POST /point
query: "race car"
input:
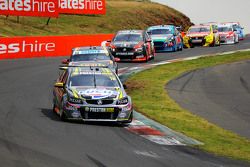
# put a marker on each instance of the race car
(91, 94)
(92, 56)
(227, 34)
(215, 30)
(132, 45)
(166, 38)
(201, 35)
(237, 27)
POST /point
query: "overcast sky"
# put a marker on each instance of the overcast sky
(200, 11)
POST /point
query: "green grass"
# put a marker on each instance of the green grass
(147, 90)
(120, 14)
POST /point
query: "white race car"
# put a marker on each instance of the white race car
(228, 35)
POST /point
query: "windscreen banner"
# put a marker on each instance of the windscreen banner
(47, 46)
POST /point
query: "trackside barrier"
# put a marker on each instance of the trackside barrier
(46, 46)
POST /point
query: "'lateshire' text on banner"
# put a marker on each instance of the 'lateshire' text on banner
(51, 8)
(82, 6)
(36, 8)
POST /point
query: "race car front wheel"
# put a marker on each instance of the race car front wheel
(63, 117)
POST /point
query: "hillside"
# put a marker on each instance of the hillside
(120, 14)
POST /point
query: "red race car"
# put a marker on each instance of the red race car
(132, 45)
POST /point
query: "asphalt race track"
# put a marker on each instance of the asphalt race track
(220, 94)
(32, 136)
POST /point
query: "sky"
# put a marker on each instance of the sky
(200, 11)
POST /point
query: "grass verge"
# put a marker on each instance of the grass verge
(121, 14)
(147, 90)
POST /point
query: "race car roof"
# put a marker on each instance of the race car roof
(89, 50)
(130, 32)
(162, 27)
(200, 26)
(225, 25)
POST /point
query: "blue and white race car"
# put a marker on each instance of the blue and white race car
(166, 38)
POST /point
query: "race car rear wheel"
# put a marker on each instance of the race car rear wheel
(213, 43)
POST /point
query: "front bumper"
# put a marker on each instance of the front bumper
(129, 55)
(226, 40)
(164, 46)
(107, 113)
(198, 41)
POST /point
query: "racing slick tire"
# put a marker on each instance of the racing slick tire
(181, 47)
(218, 44)
(129, 120)
(63, 117)
(54, 108)
(237, 39)
(213, 44)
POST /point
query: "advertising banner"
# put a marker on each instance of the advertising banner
(51, 8)
(36, 8)
(82, 6)
(46, 46)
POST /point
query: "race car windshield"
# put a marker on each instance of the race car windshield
(224, 29)
(90, 57)
(160, 31)
(199, 29)
(94, 80)
(128, 37)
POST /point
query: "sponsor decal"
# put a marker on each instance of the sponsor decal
(97, 93)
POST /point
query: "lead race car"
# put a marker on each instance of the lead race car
(91, 94)
(132, 45)
(166, 38)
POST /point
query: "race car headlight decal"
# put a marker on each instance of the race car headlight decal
(74, 100)
(70, 107)
(122, 101)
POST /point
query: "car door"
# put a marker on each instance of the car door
(59, 92)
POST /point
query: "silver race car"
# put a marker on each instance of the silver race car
(91, 94)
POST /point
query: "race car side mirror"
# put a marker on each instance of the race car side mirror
(59, 85)
(109, 41)
(65, 61)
